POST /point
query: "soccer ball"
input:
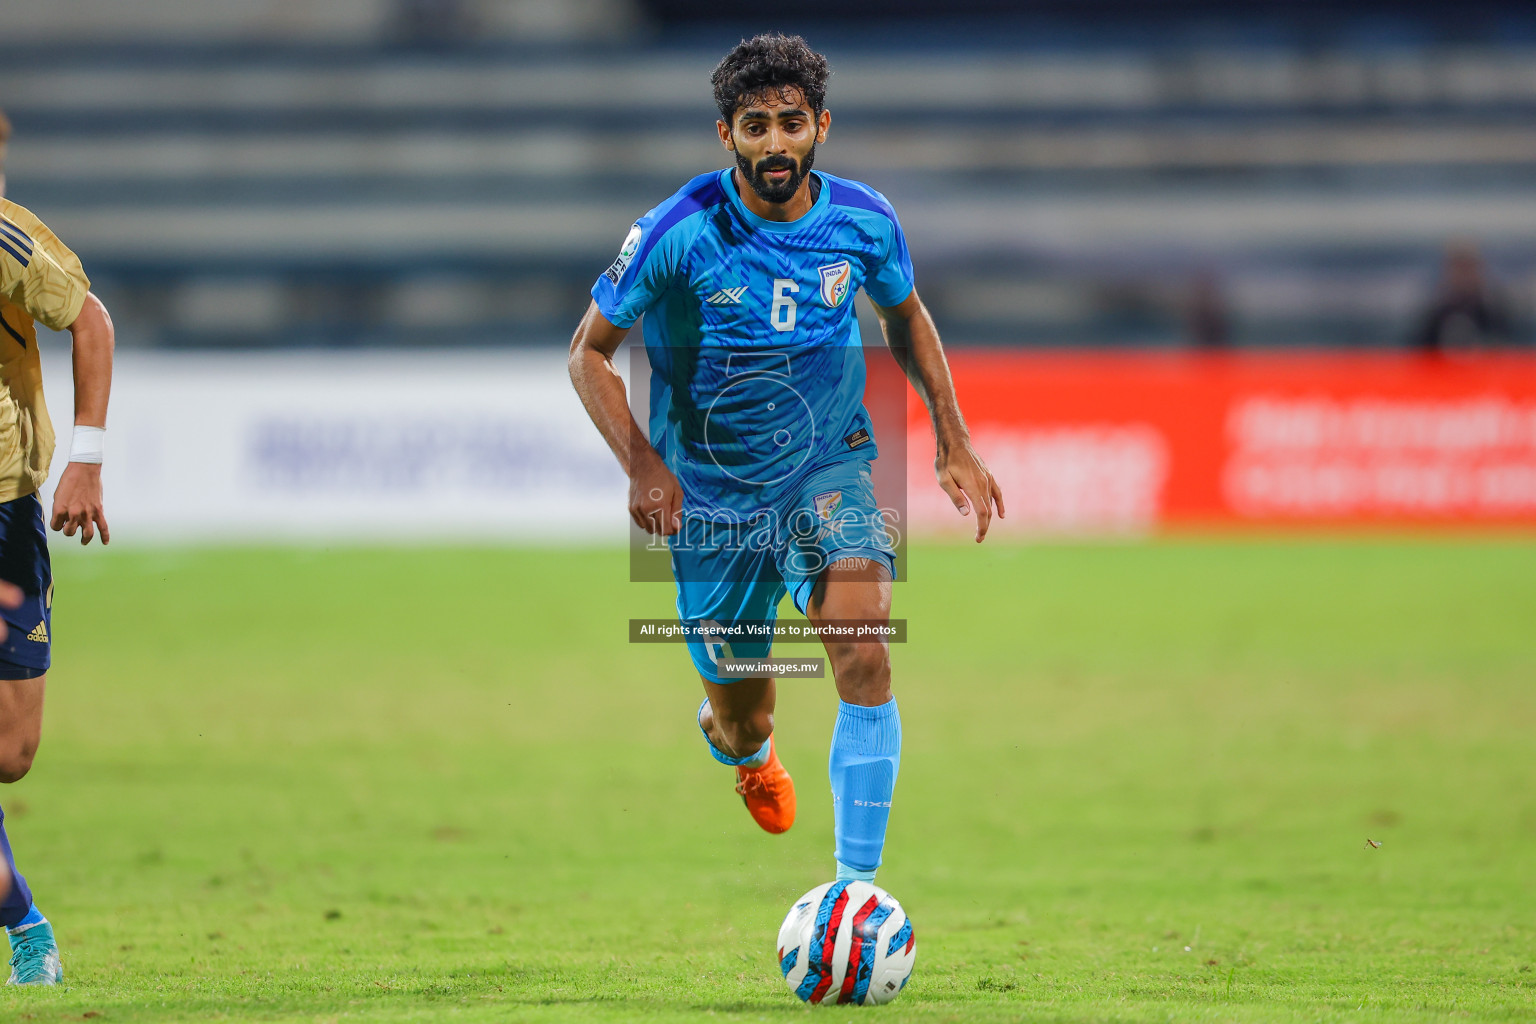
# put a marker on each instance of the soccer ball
(847, 942)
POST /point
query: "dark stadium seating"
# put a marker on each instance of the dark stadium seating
(1243, 193)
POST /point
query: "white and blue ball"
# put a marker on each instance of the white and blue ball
(847, 942)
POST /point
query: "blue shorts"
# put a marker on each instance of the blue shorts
(25, 651)
(729, 572)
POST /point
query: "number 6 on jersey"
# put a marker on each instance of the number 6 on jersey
(782, 313)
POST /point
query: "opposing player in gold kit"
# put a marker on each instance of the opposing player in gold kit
(41, 281)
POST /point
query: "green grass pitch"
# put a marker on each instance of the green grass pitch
(1138, 785)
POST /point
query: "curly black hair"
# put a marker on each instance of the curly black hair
(769, 64)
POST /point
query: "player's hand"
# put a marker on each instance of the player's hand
(656, 499)
(969, 485)
(77, 503)
(11, 596)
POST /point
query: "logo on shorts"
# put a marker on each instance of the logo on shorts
(626, 253)
(835, 278)
(827, 504)
(39, 633)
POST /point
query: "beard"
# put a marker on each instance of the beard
(766, 190)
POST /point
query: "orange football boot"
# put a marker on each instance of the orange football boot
(768, 792)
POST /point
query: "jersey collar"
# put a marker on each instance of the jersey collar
(728, 184)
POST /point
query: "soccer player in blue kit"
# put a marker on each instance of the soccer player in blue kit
(756, 466)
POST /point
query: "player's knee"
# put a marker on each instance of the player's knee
(15, 761)
(746, 733)
(863, 673)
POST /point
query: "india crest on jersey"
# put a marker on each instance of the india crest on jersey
(835, 278)
(827, 503)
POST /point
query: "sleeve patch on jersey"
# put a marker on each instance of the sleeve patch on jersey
(626, 254)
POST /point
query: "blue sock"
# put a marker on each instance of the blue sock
(16, 905)
(866, 755)
(848, 874)
(34, 916)
(756, 760)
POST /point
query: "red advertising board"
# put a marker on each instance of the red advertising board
(1130, 442)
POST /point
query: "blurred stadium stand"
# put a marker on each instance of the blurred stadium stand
(437, 172)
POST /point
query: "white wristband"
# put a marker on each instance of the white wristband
(88, 444)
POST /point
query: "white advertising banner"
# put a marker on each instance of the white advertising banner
(451, 447)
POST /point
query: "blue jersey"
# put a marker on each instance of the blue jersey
(757, 369)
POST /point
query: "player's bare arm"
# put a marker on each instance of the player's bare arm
(655, 496)
(914, 341)
(77, 502)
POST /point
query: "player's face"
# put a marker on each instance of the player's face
(774, 138)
